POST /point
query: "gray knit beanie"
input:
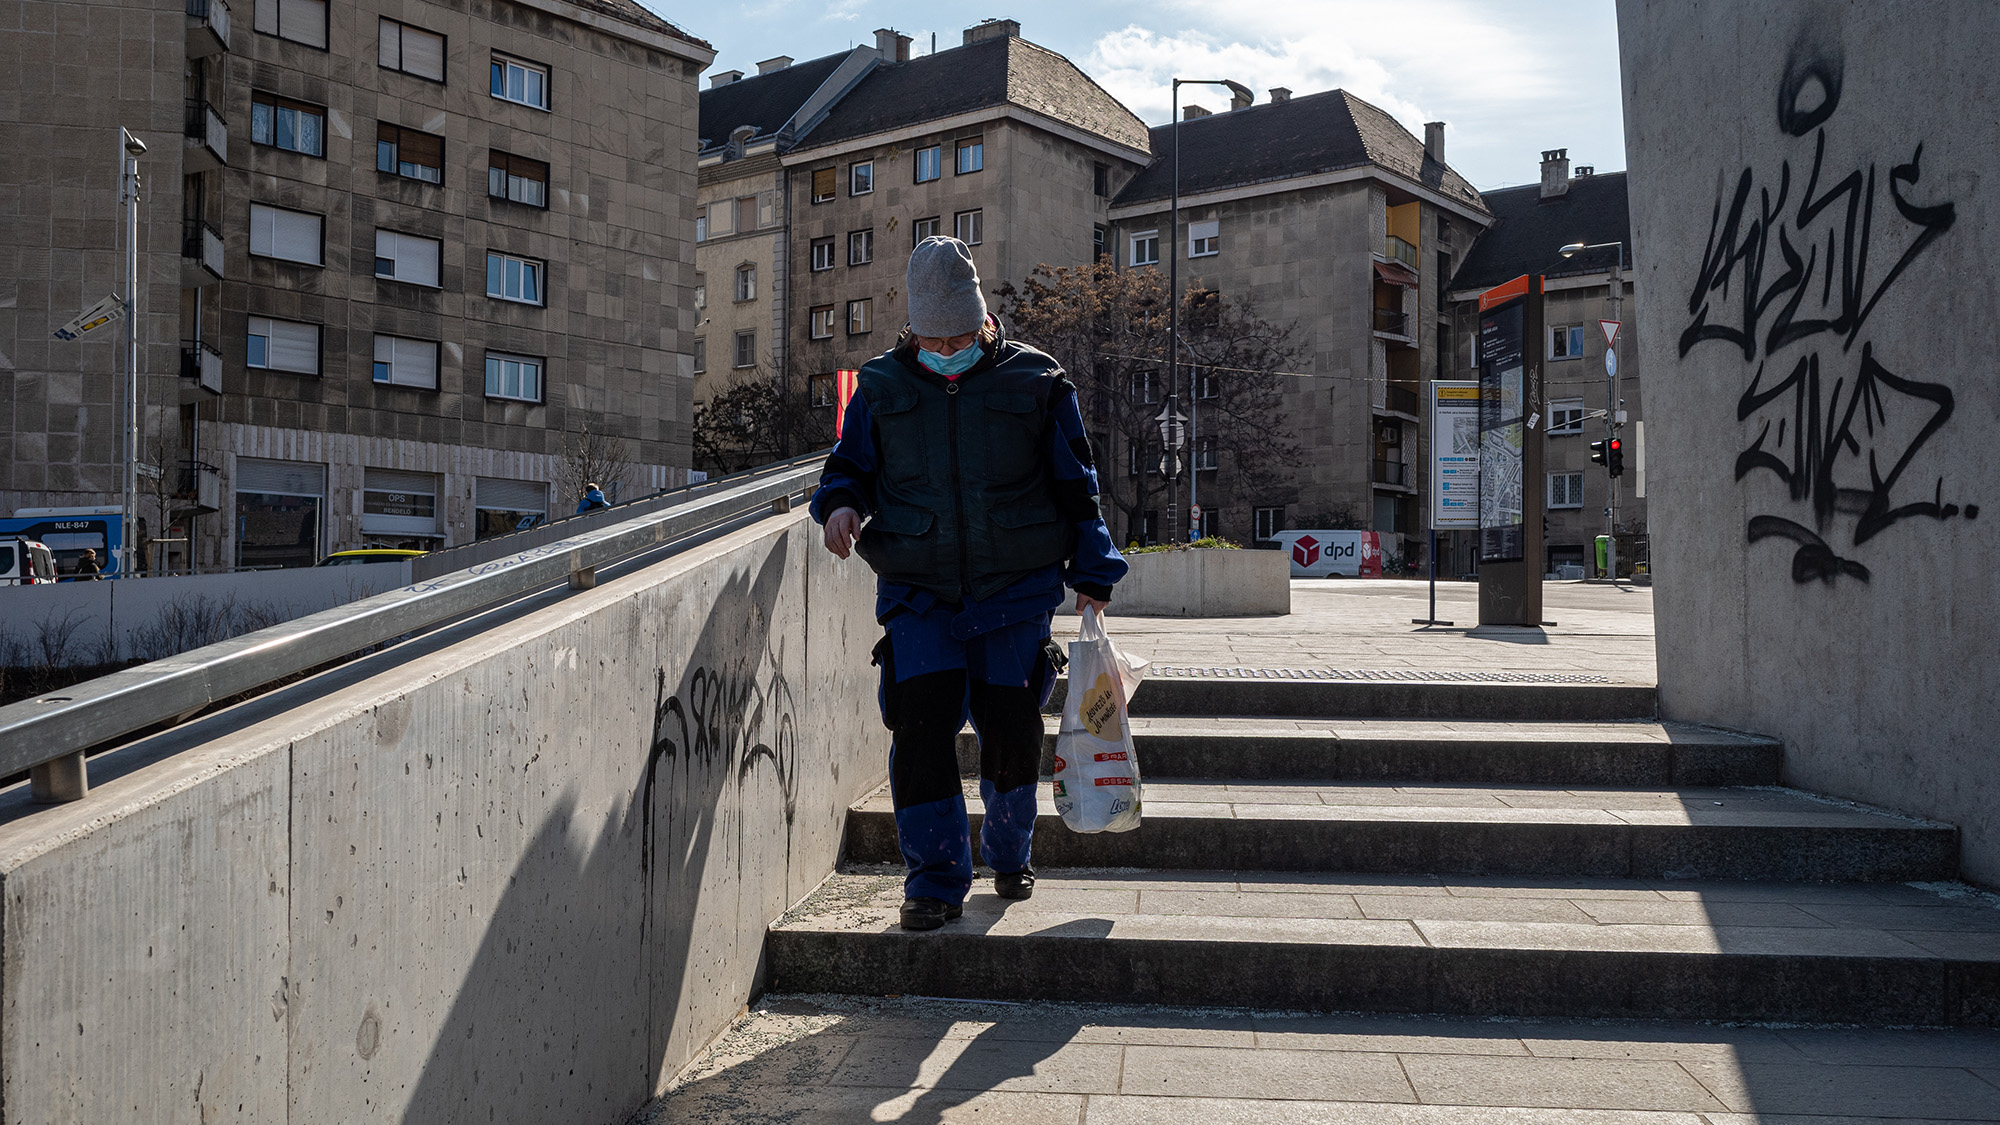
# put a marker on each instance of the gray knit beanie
(944, 289)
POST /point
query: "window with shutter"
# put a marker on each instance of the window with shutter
(411, 50)
(301, 21)
(1204, 239)
(291, 235)
(409, 153)
(283, 345)
(746, 213)
(823, 184)
(407, 257)
(518, 179)
(405, 362)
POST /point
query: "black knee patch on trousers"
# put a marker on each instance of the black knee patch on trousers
(1010, 734)
(926, 713)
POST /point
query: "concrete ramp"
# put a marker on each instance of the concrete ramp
(520, 873)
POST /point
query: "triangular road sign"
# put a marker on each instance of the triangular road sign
(1610, 331)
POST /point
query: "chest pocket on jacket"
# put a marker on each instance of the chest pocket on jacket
(904, 452)
(1014, 430)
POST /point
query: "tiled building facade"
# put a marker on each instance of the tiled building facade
(397, 258)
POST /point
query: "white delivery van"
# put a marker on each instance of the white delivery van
(1321, 554)
(24, 562)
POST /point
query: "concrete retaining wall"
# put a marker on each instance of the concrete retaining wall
(1203, 583)
(113, 611)
(523, 878)
(1823, 483)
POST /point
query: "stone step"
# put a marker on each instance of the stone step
(1718, 833)
(1301, 693)
(1596, 948)
(1636, 752)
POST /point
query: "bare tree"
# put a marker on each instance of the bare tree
(591, 456)
(759, 421)
(1108, 328)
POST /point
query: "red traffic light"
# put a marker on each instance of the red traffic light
(1617, 444)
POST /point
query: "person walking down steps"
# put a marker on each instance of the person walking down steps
(965, 454)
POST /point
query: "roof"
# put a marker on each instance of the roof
(639, 15)
(1003, 70)
(1284, 140)
(763, 101)
(1528, 232)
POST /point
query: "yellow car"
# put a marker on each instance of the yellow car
(369, 555)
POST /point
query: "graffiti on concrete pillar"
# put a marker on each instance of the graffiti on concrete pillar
(1799, 268)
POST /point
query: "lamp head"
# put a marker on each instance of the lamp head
(134, 146)
(1571, 249)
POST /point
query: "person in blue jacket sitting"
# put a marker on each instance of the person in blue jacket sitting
(964, 453)
(593, 497)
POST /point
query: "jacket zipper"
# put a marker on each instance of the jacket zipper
(957, 488)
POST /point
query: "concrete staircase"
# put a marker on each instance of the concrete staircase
(1456, 848)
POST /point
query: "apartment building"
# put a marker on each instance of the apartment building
(999, 142)
(1327, 215)
(1531, 224)
(397, 258)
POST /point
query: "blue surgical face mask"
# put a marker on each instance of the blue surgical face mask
(957, 363)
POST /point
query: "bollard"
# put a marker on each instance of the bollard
(781, 505)
(59, 780)
(583, 579)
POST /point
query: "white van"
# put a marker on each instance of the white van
(24, 562)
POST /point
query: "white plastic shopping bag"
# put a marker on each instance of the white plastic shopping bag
(1097, 771)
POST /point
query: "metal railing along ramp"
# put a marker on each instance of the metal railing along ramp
(50, 734)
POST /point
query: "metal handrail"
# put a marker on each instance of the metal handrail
(49, 733)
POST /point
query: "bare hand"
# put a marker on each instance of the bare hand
(1082, 600)
(841, 528)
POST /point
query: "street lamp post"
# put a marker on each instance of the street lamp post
(1611, 401)
(131, 149)
(1241, 92)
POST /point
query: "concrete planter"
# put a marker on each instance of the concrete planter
(1205, 582)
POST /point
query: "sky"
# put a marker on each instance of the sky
(1508, 79)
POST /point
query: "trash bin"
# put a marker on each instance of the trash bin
(1604, 556)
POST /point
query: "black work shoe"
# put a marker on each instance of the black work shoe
(1019, 885)
(929, 913)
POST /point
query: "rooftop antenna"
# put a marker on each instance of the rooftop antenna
(933, 42)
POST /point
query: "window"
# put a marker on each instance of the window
(406, 363)
(293, 236)
(500, 506)
(1100, 241)
(822, 389)
(1268, 522)
(523, 181)
(746, 213)
(860, 316)
(930, 163)
(1566, 490)
(301, 21)
(700, 354)
(1204, 239)
(411, 50)
(700, 291)
(926, 228)
(1145, 386)
(822, 254)
(971, 155)
(861, 178)
(283, 123)
(823, 179)
(1146, 248)
(514, 279)
(700, 224)
(822, 322)
(1100, 180)
(1566, 341)
(860, 247)
(970, 227)
(513, 376)
(1566, 416)
(1204, 454)
(516, 81)
(407, 257)
(746, 349)
(721, 218)
(283, 345)
(409, 154)
(1206, 385)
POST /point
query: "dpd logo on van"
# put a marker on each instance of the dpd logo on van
(1305, 550)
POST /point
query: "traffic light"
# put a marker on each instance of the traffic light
(1615, 457)
(1597, 454)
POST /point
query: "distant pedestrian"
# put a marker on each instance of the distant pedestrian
(593, 497)
(87, 569)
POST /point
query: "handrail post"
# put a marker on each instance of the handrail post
(59, 780)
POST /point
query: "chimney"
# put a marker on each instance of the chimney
(1434, 140)
(1555, 173)
(769, 65)
(991, 29)
(892, 46)
(1190, 112)
(1583, 170)
(1280, 94)
(724, 79)
(1239, 101)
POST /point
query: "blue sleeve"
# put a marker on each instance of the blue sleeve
(1096, 566)
(848, 481)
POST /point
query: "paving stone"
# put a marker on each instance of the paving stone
(1253, 904)
(1128, 1110)
(1557, 1083)
(1857, 1091)
(1265, 1072)
(1472, 909)
(1974, 1049)
(985, 1063)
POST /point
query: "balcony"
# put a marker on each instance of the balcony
(1402, 399)
(1399, 251)
(199, 488)
(203, 364)
(207, 138)
(201, 254)
(1392, 322)
(207, 28)
(1391, 472)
